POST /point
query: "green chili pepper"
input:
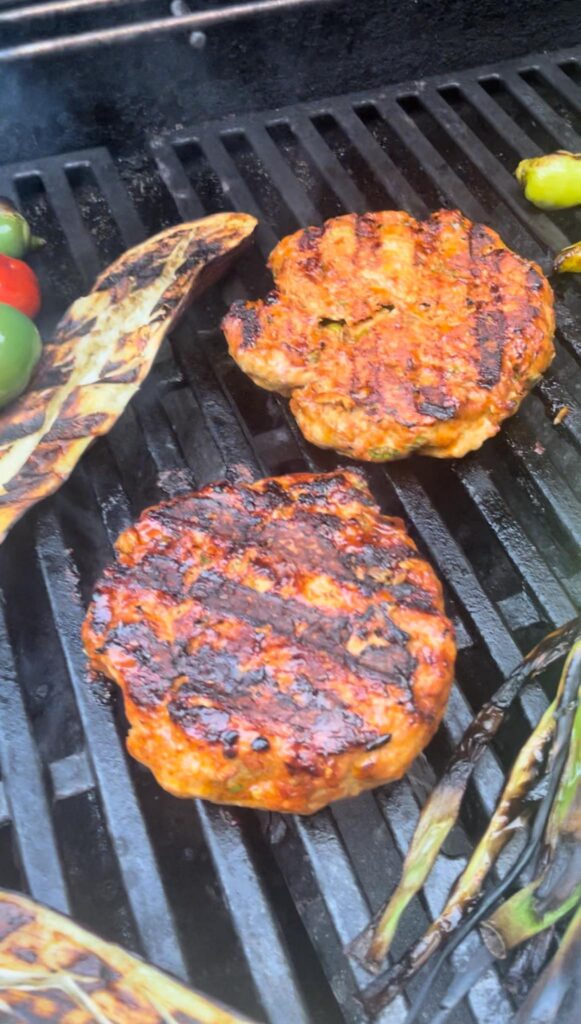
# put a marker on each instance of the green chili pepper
(20, 349)
(553, 181)
(15, 235)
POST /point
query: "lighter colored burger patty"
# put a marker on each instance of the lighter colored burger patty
(393, 335)
(278, 644)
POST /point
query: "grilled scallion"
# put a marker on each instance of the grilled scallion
(441, 811)
(557, 888)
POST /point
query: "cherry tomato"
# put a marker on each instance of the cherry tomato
(19, 286)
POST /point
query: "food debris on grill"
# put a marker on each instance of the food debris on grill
(102, 351)
(562, 413)
(393, 335)
(53, 970)
(279, 644)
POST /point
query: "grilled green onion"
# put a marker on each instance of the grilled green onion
(441, 811)
(461, 913)
(562, 973)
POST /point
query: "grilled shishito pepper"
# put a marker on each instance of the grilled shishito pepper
(568, 261)
(20, 348)
(553, 181)
(15, 235)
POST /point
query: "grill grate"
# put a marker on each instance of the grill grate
(231, 899)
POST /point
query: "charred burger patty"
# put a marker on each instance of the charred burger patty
(279, 644)
(393, 335)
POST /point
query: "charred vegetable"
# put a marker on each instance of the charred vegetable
(101, 352)
(568, 261)
(68, 974)
(553, 181)
(556, 889)
(441, 812)
(16, 238)
(563, 972)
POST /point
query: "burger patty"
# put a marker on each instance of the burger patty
(279, 644)
(393, 335)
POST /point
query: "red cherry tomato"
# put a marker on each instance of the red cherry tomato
(19, 286)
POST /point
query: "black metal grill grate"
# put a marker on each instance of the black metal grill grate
(256, 908)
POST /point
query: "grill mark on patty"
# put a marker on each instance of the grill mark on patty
(309, 542)
(249, 321)
(431, 407)
(310, 238)
(318, 719)
(534, 279)
(232, 598)
(366, 229)
(218, 598)
(490, 325)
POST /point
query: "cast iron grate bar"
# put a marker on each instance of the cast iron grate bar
(257, 927)
(124, 819)
(492, 785)
(197, 418)
(28, 803)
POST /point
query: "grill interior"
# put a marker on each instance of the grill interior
(255, 909)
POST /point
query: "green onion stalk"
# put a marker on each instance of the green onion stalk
(442, 809)
(561, 974)
(556, 890)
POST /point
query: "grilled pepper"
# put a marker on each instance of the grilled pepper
(19, 286)
(20, 348)
(553, 181)
(568, 261)
(15, 235)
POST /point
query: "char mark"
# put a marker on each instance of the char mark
(144, 269)
(490, 334)
(248, 318)
(392, 666)
(74, 329)
(534, 280)
(366, 227)
(315, 719)
(378, 742)
(434, 403)
(13, 429)
(490, 323)
(309, 240)
(12, 918)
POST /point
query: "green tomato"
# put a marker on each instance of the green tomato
(20, 348)
(15, 236)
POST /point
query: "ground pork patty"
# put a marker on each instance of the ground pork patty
(279, 644)
(394, 335)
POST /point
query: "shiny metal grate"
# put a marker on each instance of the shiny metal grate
(256, 908)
